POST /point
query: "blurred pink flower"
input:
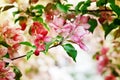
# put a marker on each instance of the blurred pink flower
(3, 51)
(110, 77)
(5, 73)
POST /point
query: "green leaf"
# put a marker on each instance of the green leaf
(78, 6)
(47, 46)
(93, 23)
(108, 28)
(115, 8)
(101, 3)
(46, 26)
(16, 12)
(7, 55)
(20, 18)
(4, 44)
(38, 19)
(70, 51)
(27, 44)
(17, 72)
(116, 21)
(6, 7)
(85, 6)
(63, 8)
(111, 1)
(29, 54)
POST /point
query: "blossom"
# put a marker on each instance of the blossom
(5, 73)
(41, 37)
(3, 51)
(37, 28)
(110, 77)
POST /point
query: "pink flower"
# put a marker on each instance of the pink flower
(3, 51)
(40, 33)
(103, 60)
(5, 73)
(104, 50)
(37, 28)
(110, 77)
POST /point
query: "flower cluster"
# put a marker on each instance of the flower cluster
(56, 24)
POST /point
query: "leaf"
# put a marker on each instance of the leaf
(70, 51)
(115, 8)
(101, 2)
(17, 72)
(108, 28)
(7, 7)
(27, 44)
(63, 8)
(111, 1)
(7, 56)
(85, 6)
(93, 23)
(116, 21)
(16, 12)
(4, 44)
(47, 46)
(20, 18)
(38, 19)
(46, 26)
(77, 7)
(29, 54)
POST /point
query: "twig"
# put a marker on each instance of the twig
(26, 55)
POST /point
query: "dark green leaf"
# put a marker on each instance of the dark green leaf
(4, 44)
(93, 24)
(7, 7)
(115, 8)
(16, 12)
(77, 8)
(27, 44)
(7, 55)
(101, 3)
(29, 54)
(20, 18)
(117, 21)
(108, 28)
(70, 51)
(111, 1)
(17, 72)
(85, 6)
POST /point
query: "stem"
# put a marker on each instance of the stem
(26, 55)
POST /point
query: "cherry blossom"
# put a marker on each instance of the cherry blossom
(5, 73)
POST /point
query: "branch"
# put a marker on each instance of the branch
(26, 55)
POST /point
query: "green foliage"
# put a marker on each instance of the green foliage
(16, 12)
(36, 10)
(108, 28)
(27, 44)
(4, 44)
(93, 23)
(7, 55)
(71, 51)
(78, 6)
(115, 8)
(7, 7)
(17, 72)
(63, 7)
(117, 21)
(20, 18)
(29, 54)
(101, 2)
